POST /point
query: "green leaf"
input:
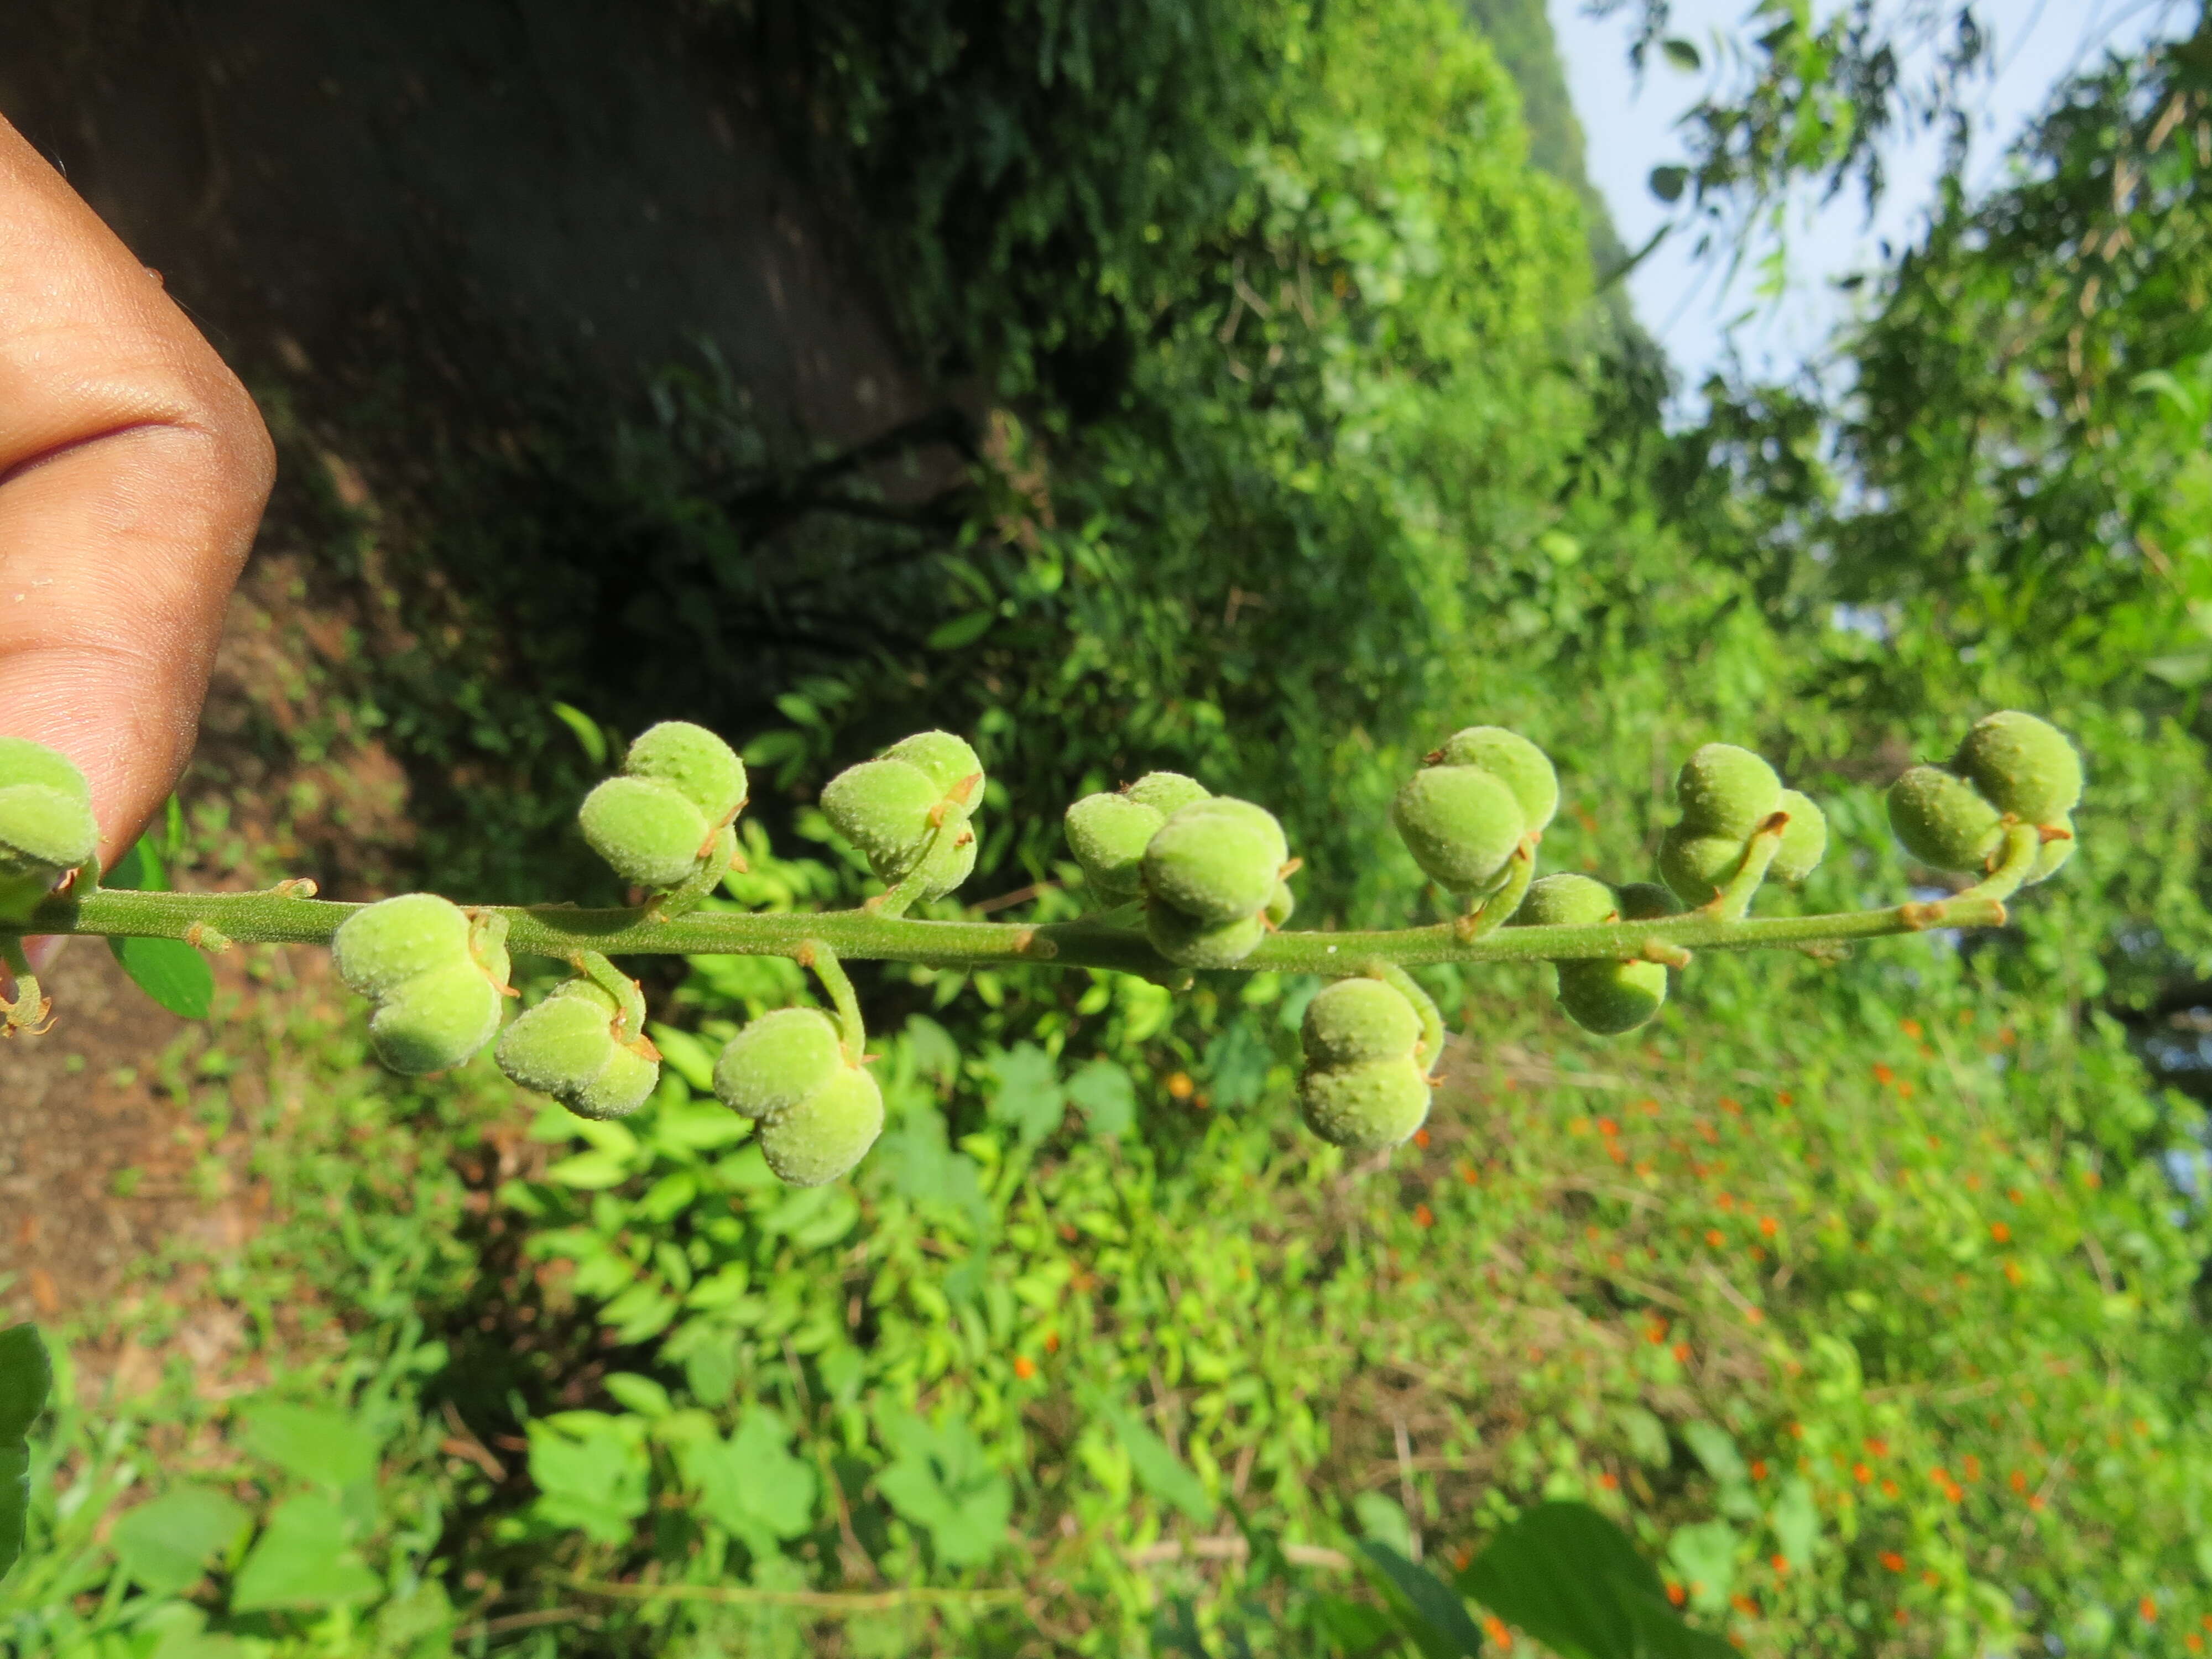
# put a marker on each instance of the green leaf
(303, 1558)
(1717, 1452)
(590, 1471)
(1029, 1097)
(1668, 183)
(27, 1378)
(961, 630)
(1107, 1096)
(589, 737)
(941, 1482)
(1429, 1610)
(168, 970)
(138, 871)
(1797, 1521)
(1705, 1556)
(751, 1484)
(1158, 1470)
(312, 1442)
(690, 1058)
(1681, 54)
(1570, 1578)
(164, 1545)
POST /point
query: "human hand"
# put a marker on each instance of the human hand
(133, 470)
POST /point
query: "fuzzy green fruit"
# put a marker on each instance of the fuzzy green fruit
(44, 831)
(777, 1061)
(1109, 834)
(1943, 821)
(2054, 854)
(2021, 765)
(22, 760)
(1167, 792)
(1367, 1107)
(1697, 866)
(828, 1132)
(1804, 840)
(646, 829)
(1191, 943)
(695, 762)
(1281, 905)
(435, 1020)
(945, 760)
(950, 862)
(1647, 900)
(883, 807)
(1461, 824)
(566, 1048)
(379, 948)
(1726, 791)
(1352, 1021)
(1566, 900)
(1215, 861)
(1513, 760)
(1609, 997)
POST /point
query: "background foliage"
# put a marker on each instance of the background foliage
(1864, 1294)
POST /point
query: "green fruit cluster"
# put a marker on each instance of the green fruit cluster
(585, 1046)
(816, 1108)
(1468, 811)
(46, 826)
(1212, 876)
(893, 807)
(438, 979)
(1725, 794)
(668, 816)
(2011, 769)
(1608, 998)
(1365, 1085)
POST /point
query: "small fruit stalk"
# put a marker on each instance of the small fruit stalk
(911, 811)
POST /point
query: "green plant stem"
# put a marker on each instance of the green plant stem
(1494, 912)
(814, 954)
(562, 931)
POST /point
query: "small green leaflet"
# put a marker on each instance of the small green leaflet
(27, 1376)
(590, 737)
(168, 970)
(961, 630)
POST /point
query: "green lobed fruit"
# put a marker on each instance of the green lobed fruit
(1697, 866)
(22, 760)
(1367, 1107)
(1609, 997)
(2053, 856)
(1566, 900)
(1461, 824)
(2021, 765)
(1215, 861)
(695, 762)
(647, 829)
(44, 831)
(945, 760)
(1804, 840)
(383, 946)
(950, 863)
(1647, 900)
(1352, 1021)
(1943, 821)
(435, 1020)
(778, 1061)
(1109, 834)
(1167, 792)
(1514, 761)
(566, 1048)
(1191, 943)
(828, 1132)
(488, 946)
(1725, 791)
(883, 807)
(1281, 905)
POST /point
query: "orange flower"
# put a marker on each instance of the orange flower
(1467, 1174)
(1024, 1367)
(1606, 1126)
(1730, 1106)
(1862, 1474)
(1973, 1467)
(2148, 1608)
(1682, 1351)
(1745, 1604)
(2016, 1480)
(1910, 1027)
(2012, 1272)
(1420, 1137)
(1769, 1225)
(1713, 1237)
(1758, 1468)
(2036, 1503)
(1904, 1092)
(1424, 1216)
(2193, 1642)
(1675, 1593)
(1782, 1097)
(1494, 1628)
(1052, 1341)
(1877, 1447)
(1893, 1560)
(1883, 1073)
(2000, 1232)
(1609, 1481)
(1180, 1087)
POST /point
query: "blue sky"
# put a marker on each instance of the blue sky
(2038, 43)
